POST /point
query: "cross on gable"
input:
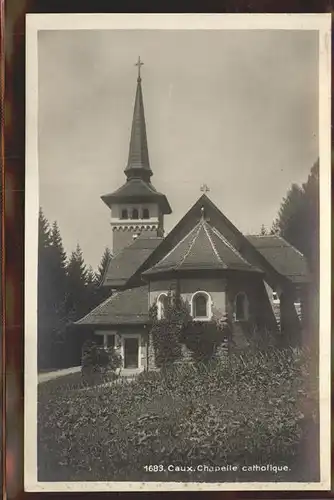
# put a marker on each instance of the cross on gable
(204, 188)
(139, 63)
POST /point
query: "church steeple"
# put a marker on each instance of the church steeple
(138, 166)
(137, 207)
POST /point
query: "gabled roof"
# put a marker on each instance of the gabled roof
(203, 248)
(127, 307)
(137, 191)
(222, 225)
(285, 258)
(122, 267)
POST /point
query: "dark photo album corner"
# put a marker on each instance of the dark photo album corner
(178, 276)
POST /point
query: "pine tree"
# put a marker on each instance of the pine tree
(312, 215)
(298, 218)
(44, 231)
(57, 244)
(101, 291)
(102, 269)
(91, 278)
(291, 217)
(81, 286)
(44, 297)
(58, 264)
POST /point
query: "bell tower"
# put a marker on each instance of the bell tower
(137, 207)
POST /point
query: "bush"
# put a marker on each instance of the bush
(177, 330)
(99, 363)
(204, 338)
(256, 408)
(167, 332)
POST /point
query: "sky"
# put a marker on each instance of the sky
(237, 110)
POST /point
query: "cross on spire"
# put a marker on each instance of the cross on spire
(204, 188)
(139, 63)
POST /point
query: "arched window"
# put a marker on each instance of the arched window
(146, 213)
(162, 304)
(124, 214)
(241, 307)
(135, 214)
(201, 306)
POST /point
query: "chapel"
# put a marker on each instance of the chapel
(257, 281)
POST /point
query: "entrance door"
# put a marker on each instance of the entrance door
(131, 348)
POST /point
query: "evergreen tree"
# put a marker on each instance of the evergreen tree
(101, 291)
(52, 282)
(76, 302)
(44, 232)
(298, 218)
(58, 268)
(312, 216)
(91, 278)
(44, 292)
(57, 264)
(103, 266)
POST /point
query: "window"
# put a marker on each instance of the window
(146, 213)
(201, 306)
(135, 214)
(110, 341)
(124, 214)
(162, 304)
(241, 307)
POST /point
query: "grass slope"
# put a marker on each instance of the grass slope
(257, 409)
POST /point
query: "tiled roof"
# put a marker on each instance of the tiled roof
(137, 190)
(202, 248)
(123, 266)
(127, 307)
(285, 258)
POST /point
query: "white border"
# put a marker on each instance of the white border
(35, 22)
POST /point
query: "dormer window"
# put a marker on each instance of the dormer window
(124, 214)
(201, 306)
(135, 214)
(241, 307)
(146, 213)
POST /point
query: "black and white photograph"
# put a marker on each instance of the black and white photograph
(177, 268)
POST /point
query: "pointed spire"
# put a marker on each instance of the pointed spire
(138, 163)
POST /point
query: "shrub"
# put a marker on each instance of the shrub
(99, 363)
(204, 338)
(167, 332)
(177, 328)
